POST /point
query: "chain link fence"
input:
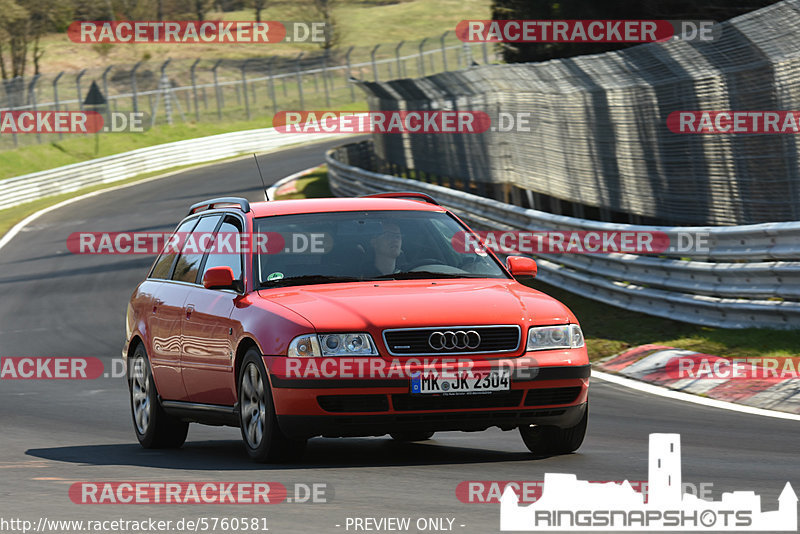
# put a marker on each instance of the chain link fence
(227, 90)
(598, 145)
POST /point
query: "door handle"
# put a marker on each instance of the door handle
(189, 310)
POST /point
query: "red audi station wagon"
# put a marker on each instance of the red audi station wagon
(353, 317)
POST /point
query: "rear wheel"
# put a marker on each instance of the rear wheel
(554, 440)
(262, 437)
(411, 436)
(155, 429)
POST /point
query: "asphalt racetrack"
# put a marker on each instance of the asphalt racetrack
(57, 432)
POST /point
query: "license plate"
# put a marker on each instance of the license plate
(465, 382)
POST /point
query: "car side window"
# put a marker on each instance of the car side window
(201, 238)
(230, 230)
(163, 265)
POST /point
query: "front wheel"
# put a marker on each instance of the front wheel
(552, 440)
(263, 439)
(155, 429)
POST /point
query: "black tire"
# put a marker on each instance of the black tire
(411, 436)
(154, 428)
(552, 440)
(261, 435)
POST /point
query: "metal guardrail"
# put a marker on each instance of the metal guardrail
(596, 139)
(28, 187)
(755, 290)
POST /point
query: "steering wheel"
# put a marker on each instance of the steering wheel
(423, 261)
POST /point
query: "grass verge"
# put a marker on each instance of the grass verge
(35, 158)
(610, 330)
(312, 185)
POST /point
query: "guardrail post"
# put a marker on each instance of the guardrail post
(105, 91)
(444, 51)
(244, 88)
(78, 87)
(194, 90)
(217, 89)
(422, 57)
(397, 59)
(348, 74)
(133, 88)
(374, 65)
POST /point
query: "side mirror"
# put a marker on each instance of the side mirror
(521, 267)
(219, 278)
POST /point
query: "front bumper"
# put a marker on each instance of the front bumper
(369, 407)
(307, 426)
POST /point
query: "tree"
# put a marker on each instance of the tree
(14, 35)
(322, 11)
(258, 6)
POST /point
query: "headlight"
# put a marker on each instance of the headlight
(568, 336)
(313, 345)
(305, 346)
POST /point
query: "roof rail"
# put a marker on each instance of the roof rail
(212, 203)
(412, 195)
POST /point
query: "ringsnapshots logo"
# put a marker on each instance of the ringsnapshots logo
(567, 503)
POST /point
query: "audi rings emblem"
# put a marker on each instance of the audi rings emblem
(454, 339)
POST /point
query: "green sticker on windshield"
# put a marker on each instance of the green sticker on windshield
(274, 276)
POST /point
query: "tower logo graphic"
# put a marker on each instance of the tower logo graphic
(578, 505)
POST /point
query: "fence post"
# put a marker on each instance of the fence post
(105, 90)
(299, 81)
(422, 57)
(244, 88)
(349, 74)
(444, 51)
(32, 98)
(272, 85)
(325, 78)
(397, 58)
(374, 65)
(216, 88)
(55, 96)
(133, 88)
(194, 90)
(78, 86)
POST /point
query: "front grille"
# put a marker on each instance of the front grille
(548, 396)
(414, 342)
(408, 403)
(354, 403)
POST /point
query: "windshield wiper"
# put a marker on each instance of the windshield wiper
(311, 279)
(412, 275)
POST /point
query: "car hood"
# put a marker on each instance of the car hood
(374, 306)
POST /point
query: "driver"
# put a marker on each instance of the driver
(387, 247)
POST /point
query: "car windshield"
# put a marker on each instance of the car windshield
(317, 248)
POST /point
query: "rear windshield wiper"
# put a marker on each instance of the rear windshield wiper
(311, 279)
